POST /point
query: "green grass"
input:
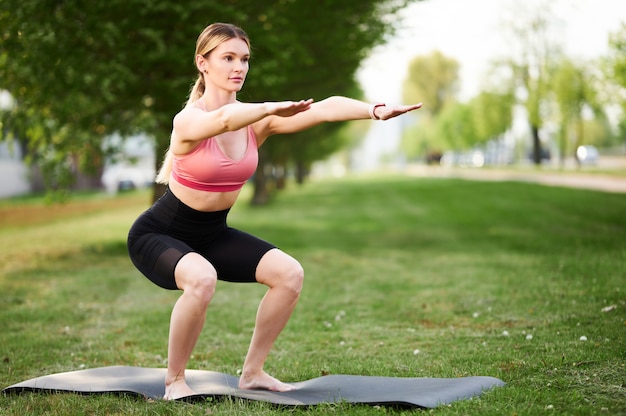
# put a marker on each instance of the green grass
(496, 279)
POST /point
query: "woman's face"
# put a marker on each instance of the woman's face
(227, 65)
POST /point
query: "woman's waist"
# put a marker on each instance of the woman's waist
(203, 201)
(173, 216)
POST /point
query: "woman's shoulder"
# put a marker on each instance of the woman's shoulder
(191, 107)
(186, 113)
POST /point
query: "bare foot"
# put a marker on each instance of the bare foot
(177, 389)
(263, 381)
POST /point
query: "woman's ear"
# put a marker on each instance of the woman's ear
(201, 64)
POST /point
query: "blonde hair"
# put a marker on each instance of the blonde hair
(211, 37)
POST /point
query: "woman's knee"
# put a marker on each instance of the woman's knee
(279, 269)
(293, 276)
(196, 276)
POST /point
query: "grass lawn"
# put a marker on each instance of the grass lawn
(405, 277)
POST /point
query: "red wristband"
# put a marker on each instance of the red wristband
(373, 108)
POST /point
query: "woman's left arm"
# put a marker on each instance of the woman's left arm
(331, 109)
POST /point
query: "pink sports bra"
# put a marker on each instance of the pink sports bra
(207, 168)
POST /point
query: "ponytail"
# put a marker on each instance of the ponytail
(196, 91)
(163, 177)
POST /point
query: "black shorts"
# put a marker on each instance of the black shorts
(169, 229)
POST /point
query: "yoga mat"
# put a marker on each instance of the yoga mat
(371, 390)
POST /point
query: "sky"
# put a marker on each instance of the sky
(471, 32)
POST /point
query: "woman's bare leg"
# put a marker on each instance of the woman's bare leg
(284, 277)
(197, 278)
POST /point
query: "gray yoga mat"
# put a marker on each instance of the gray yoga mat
(148, 382)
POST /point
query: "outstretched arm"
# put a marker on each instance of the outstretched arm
(192, 125)
(330, 110)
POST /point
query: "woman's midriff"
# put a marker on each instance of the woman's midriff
(203, 200)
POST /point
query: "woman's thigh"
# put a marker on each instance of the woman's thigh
(194, 271)
(277, 267)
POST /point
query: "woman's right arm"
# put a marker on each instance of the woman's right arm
(192, 125)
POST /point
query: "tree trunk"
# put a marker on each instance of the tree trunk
(563, 139)
(280, 177)
(300, 172)
(536, 144)
(261, 195)
(161, 148)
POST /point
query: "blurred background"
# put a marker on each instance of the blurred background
(87, 94)
(555, 66)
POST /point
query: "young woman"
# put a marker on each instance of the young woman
(183, 242)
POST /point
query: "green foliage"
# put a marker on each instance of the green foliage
(433, 79)
(461, 126)
(449, 124)
(570, 88)
(126, 65)
(534, 52)
(406, 277)
(455, 128)
(576, 89)
(420, 138)
(492, 114)
(617, 43)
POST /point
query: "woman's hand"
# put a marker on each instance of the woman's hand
(288, 108)
(385, 112)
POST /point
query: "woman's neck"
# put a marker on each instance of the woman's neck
(212, 100)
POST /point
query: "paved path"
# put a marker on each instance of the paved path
(595, 181)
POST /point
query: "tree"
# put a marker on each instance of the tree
(125, 65)
(455, 127)
(617, 58)
(575, 90)
(461, 126)
(531, 31)
(420, 139)
(434, 79)
(492, 114)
